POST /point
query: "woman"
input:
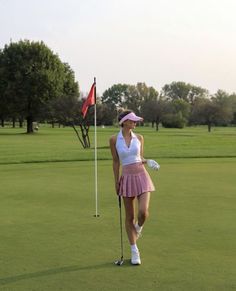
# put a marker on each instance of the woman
(134, 182)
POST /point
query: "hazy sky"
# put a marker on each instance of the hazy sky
(130, 41)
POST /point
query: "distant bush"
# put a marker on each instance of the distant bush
(173, 120)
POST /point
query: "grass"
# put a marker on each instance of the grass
(61, 144)
(51, 241)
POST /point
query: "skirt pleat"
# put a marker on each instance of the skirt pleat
(135, 180)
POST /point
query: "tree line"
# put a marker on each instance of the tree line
(35, 85)
(177, 104)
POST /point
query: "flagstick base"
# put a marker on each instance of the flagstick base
(96, 215)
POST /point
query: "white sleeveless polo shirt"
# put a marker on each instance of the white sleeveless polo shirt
(131, 154)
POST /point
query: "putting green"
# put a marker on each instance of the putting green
(50, 240)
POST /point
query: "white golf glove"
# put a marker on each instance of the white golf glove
(153, 165)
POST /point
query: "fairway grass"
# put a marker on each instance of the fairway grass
(61, 144)
(50, 240)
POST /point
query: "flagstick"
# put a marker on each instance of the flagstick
(95, 153)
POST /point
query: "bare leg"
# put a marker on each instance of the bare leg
(143, 206)
(129, 219)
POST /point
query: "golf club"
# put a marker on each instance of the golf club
(121, 261)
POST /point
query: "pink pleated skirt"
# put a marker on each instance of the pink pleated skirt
(135, 180)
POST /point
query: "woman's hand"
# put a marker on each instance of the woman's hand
(153, 165)
(117, 186)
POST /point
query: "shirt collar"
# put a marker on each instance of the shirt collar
(120, 135)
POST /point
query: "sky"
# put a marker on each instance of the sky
(130, 41)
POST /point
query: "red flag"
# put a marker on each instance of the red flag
(89, 101)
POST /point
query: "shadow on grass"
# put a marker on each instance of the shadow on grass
(51, 272)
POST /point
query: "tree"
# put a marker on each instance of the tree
(153, 111)
(137, 95)
(176, 113)
(105, 115)
(173, 120)
(129, 96)
(67, 111)
(182, 90)
(34, 76)
(204, 111)
(69, 97)
(115, 95)
(147, 93)
(133, 99)
(225, 111)
(232, 100)
(4, 106)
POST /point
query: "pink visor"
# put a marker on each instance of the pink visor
(131, 116)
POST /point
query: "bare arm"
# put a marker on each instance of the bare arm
(141, 139)
(116, 162)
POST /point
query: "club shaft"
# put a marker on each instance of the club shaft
(121, 230)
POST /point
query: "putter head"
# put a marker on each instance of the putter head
(119, 262)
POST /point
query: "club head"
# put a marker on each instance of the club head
(119, 262)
